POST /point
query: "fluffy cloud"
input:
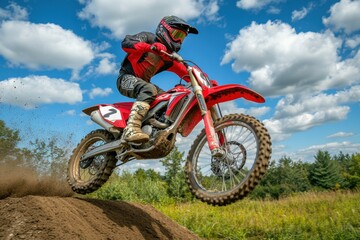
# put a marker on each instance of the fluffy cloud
(294, 115)
(332, 147)
(341, 135)
(282, 61)
(344, 15)
(283, 128)
(106, 66)
(71, 112)
(100, 92)
(31, 91)
(127, 17)
(254, 4)
(300, 14)
(353, 42)
(231, 107)
(13, 12)
(43, 45)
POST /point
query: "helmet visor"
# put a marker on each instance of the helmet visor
(176, 34)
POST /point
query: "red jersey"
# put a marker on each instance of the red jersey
(143, 63)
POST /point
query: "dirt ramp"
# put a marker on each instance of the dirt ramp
(38, 217)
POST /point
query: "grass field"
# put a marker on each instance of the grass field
(327, 216)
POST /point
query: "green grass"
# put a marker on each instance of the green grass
(325, 216)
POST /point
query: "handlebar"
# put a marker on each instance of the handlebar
(174, 56)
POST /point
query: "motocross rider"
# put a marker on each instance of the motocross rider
(144, 60)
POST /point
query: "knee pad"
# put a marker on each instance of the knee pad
(147, 93)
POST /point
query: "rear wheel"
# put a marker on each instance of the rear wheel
(89, 175)
(247, 148)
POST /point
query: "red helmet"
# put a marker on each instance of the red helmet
(172, 31)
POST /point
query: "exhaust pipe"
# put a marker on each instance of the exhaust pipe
(97, 118)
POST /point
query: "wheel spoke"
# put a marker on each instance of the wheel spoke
(246, 148)
(221, 175)
(96, 169)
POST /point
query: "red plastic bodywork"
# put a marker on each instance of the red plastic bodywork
(215, 95)
(123, 107)
(192, 116)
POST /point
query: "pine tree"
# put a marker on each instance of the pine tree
(324, 173)
(353, 174)
(284, 177)
(343, 161)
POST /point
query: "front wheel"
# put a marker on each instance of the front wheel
(247, 149)
(89, 175)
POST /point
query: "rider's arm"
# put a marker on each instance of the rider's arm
(180, 70)
(140, 42)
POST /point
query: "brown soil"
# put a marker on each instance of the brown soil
(39, 217)
(42, 208)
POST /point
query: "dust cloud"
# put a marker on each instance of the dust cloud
(19, 181)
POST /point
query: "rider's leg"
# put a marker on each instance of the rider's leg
(144, 93)
(133, 132)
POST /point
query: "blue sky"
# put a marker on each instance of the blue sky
(59, 57)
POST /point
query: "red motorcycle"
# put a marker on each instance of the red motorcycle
(225, 162)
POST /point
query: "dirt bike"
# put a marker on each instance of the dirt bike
(225, 162)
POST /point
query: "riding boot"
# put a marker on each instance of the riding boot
(133, 131)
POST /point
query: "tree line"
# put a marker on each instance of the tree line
(284, 176)
(326, 173)
(45, 157)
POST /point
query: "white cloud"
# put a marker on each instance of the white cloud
(211, 11)
(299, 14)
(254, 4)
(341, 135)
(332, 147)
(71, 112)
(344, 15)
(231, 107)
(290, 106)
(307, 154)
(283, 128)
(353, 42)
(294, 115)
(123, 17)
(43, 45)
(273, 10)
(281, 61)
(31, 91)
(13, 12)
(106, 66)
(102, 92)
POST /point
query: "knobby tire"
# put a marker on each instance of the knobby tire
(259, 166)
(104, 170)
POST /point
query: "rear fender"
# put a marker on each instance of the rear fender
(115, 114)
(215, 95)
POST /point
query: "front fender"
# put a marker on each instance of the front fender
(215, 95)
(230, 92)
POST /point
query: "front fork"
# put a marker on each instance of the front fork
(208, 116)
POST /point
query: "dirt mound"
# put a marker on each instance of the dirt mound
(39, 217)
(40, 207)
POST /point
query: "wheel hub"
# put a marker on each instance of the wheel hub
(229, 161)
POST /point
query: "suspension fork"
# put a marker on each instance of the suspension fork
(207, 115)
(216, 114)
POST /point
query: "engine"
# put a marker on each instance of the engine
(156, 123)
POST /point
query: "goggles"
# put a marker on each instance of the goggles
(176, 34)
